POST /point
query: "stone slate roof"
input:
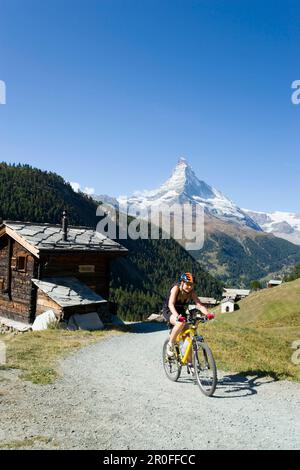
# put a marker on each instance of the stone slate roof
(208, 300)
(235, 292)
(68, 291)
(228, 299)
(50, 237)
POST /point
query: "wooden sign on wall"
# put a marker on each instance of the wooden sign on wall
(86, 268)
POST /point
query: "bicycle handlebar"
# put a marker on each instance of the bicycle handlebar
(194, 315)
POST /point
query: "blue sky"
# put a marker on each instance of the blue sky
(110, 93)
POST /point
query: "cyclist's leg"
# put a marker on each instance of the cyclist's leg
(177, 328)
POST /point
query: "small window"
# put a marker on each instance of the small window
(21, 263)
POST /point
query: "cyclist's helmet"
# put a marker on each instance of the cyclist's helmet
(186, 277)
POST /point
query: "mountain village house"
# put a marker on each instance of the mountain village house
(45, 266)
(231, 296)
(274, 283)
(227, 305)
(208, 302)
(236, 294)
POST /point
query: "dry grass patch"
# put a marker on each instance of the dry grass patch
(36, 352)
(27, 442)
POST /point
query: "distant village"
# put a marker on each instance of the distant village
(231, 297)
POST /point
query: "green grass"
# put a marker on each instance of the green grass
(257, 338)
(36, 353)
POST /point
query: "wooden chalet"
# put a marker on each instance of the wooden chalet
(274, 283)
(208, 302)
(62, 268)
(235, 294)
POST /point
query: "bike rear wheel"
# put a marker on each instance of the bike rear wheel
(205, 369)
(171, 365)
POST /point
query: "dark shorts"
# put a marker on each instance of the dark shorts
(167, 314)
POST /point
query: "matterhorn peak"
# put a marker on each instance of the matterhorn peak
(183, 186)
(182, 161)
(185, 183)
(181, 174)
(182, 165)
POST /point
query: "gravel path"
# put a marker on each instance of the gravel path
(127, 402)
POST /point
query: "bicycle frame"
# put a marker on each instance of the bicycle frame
(186, 334)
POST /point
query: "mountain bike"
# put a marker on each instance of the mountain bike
(203, 365)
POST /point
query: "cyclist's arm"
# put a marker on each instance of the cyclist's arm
(199, 305)
(172, 300)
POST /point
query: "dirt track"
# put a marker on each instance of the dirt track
(115, 395)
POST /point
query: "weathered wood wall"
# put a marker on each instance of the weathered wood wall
(43, 303)
(17, 303)
(67, 264)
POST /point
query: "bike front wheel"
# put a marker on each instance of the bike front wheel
(171, 365)
(205, 369)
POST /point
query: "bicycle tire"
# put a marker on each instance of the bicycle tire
(172, 366)
(205, 369)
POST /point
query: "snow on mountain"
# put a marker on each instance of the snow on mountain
(184, 187)
(282, 224)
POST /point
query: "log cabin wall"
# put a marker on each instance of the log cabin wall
(91, 269)
(16, 292)
(44, 303)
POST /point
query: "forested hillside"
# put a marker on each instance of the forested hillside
(30, 194)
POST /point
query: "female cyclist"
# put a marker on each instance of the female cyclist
(180, 296)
